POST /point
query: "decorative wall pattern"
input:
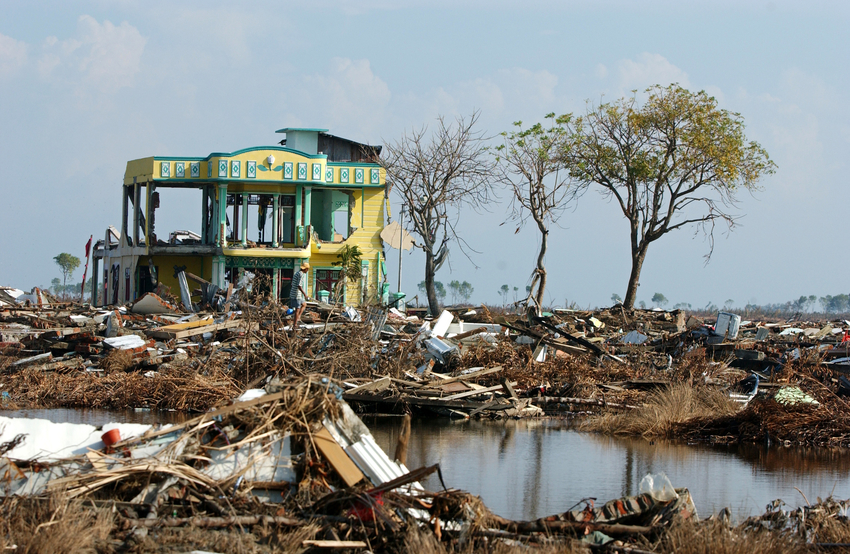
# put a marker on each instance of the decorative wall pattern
(259, 263)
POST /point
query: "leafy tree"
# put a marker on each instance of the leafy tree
(530, 166)
(659, 299)
(837, 304)
(504, 290)
(616, 299)
(728, 304)
(349, 260)
(516, 290)
(56, 285)
(67, 263)
(466, 291)
(436, 176)
(454, 290)
(678, 160)
(440, 290)
(642, 305)
(682, 306)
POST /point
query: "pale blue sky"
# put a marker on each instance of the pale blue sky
(86, 86)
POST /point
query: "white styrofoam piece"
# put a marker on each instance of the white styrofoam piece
(441, 326)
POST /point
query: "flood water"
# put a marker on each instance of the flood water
(528, 469)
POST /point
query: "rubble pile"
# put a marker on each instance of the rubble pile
(284, 468)
(193, 356)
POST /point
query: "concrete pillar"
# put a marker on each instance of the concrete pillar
(136, 199)
(94, 280)
(275, 282)
(275, 203)
(245, 220)
(298, 193)
(204, 216)
(148, 193)
(222, 214)
(125, 191)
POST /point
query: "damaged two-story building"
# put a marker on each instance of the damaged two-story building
(302, 201)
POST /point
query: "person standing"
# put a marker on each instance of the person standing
(297, 295)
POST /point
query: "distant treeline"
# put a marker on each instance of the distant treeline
(838, 304)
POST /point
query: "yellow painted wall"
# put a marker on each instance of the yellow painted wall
(199, 265)
(367, 215)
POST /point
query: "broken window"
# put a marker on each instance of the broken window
(326, 280)
(331, 214)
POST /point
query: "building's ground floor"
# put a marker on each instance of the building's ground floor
(129, 276)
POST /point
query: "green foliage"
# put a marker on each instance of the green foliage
(616, 299)
(504, 290)
(439, 289)
(675, 161)
(67, 263)
(659, 299)
(530, 166)
(837, 304)
(349, 260)
(466, 291)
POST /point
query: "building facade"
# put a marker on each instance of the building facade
(262, 210)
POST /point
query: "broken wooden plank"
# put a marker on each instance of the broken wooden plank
(377, 385)
(334, 544)
(474, 392)
(194, 331)
(337, 457)
(467, 377)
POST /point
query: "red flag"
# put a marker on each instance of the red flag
(88, 246)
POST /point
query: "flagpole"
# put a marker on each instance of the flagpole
(86, 270)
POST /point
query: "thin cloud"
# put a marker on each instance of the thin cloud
(13, 55)
(647, 70)
(102, 57)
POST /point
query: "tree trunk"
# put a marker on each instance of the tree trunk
(430, 290)
(634, 277)
(541, 270)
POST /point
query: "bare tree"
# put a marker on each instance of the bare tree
(676, 161)
(435, 176)
(530, 165)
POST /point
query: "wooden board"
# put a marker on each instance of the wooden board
(337, 457)
(160, 333)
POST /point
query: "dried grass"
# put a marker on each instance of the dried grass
(52, 526)
(174, 389)
(117, 360)
(664, 410)
(716, 537)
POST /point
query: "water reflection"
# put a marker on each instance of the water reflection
(99, 417)
(531, 468)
